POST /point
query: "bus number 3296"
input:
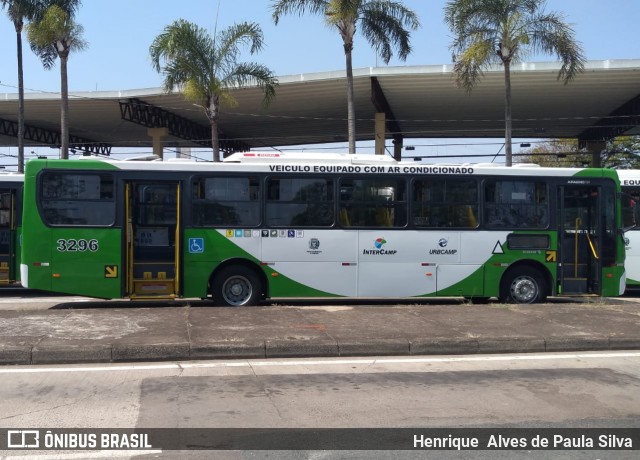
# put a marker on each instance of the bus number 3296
(72, 245)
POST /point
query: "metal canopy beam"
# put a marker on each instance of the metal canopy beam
(52, 138)
(381, 104)
(145, 114)
(621, 120)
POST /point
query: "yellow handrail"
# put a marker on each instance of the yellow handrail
(593, 249)
(575, 251)
(177, 245)
(129, 239)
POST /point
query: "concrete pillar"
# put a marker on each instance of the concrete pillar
(183, 152)
(156, 135)
(380, 132)
(595, 148)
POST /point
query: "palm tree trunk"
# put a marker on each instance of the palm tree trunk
(507, 113)
(18, 26)
(215, 141)
(351, 111)
(64, 108)
(212, 110)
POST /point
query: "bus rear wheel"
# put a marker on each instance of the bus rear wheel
(236, 286)
(523, 285)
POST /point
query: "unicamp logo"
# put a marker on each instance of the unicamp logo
(378, 243)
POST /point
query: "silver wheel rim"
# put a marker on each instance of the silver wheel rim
(524, 289)
(237, 290)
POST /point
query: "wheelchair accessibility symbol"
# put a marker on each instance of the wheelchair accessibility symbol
(196, 245)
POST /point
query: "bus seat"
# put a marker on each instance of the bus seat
(344, 218)
(383, 218)
(472, 221)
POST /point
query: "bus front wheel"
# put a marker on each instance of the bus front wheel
(523, 285)
(236, 286)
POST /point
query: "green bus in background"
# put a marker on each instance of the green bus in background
(10, 227)
(299, 225)
(630, 183)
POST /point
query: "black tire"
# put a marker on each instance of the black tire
(236, 286)
(523, 285)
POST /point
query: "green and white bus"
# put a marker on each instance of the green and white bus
(10, 227)
(630, 183)
(283, 225)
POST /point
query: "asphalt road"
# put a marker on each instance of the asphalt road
(495, 392)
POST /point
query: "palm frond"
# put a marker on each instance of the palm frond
(469, 64)
(385, 24)
(251, 73)
(280, 8)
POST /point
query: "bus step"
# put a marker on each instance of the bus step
(152, 297)
(575, 286)
(154, 287)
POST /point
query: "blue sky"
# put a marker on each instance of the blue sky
(119, 33)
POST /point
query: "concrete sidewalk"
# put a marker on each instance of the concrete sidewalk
(172, 333)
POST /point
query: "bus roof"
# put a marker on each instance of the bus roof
(11, 177)
(319, 163)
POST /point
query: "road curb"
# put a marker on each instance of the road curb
(577, 344)
(15, 354)
(71, 354)
(150, 352)
(301, 348)
(443, 346)
(225, 350)
(512, 345)
(228, 350)
(374, 347)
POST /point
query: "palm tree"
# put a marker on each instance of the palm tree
(56, 34)
(20, 11)
(502, 32)
(384, 25)
(206, 68)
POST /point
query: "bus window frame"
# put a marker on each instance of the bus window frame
(100, 173)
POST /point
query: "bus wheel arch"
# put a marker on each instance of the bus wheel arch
(237, 282)
(525, 282)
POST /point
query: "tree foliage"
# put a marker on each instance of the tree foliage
(501, 32)
(55, 34)
(20, 11)
(206, 68)
(385, 24)
(619, 153)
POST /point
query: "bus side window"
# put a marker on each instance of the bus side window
(445, 203)
(226, 201)
(300, 202)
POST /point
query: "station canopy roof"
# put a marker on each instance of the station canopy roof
(419, 101)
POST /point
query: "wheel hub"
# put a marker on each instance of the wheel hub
(524, 290)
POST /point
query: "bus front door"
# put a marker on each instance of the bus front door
(580, 236)
(152, 240)
(7, 236)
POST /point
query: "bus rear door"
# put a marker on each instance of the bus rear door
(580, 239)
(7, 236)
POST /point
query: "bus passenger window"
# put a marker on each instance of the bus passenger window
(377, 203)
(445, 203)
(300, 202)
(516, 204)
(77, 199)
(226, 201)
